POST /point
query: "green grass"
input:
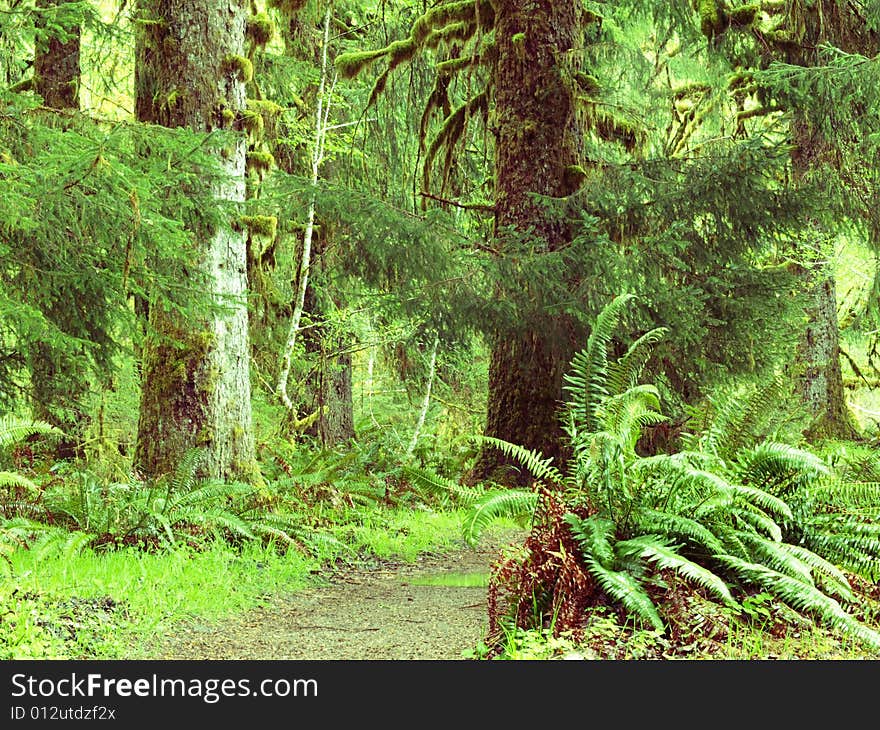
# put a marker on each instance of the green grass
(101, 605)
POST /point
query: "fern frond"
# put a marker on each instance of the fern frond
(511, 503)
(184, 477)
(752, 516)
(13, 429)
(762, 499)
(230, 522)
(11, 479)
(846, 494)
(658, 550)
(803, 597)
(587, 381)
(539, 467)
(626, 371)
(829, 575)
(777, 466)
(772, 554)
(594, 535)
(206, 494)
(680, 527)
(623, 587)
(441, 486)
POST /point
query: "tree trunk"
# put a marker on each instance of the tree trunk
(821, 384)
(537, 141)
(58, 381)
(328, 387)
(328, 391)
(56, 62)
(191, 72)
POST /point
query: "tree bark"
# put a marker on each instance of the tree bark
(191, 72)
(58, 381)
(537, 139)
(821, 385)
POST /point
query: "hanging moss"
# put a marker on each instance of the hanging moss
(260, 118)
(442, 15)
(260, 162)
(449, 33)
(252, 123)
(456, 64)
(228, 117)
(260, 29)
(711, 18)
(234, 64)
(260, 226)
(588, 84)
(350, 65)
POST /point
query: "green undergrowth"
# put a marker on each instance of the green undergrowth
(110, 604)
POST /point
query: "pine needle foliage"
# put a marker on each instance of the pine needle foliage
(720, 516)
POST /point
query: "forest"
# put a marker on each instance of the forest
(575, 303)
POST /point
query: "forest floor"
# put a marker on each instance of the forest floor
(434, 608)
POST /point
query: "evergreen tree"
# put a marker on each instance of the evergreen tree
(196, 380)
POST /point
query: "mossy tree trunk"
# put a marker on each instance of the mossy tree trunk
(821, 384)
(822, 390)
(327, 402)
(59, 382)
(191, 72)
(328, 392)
(536, 141)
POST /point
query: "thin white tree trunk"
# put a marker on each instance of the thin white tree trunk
(321, 117)
(423, 412)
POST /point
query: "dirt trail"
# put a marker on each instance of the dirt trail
(382, 613)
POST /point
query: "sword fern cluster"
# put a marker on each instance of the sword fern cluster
(729, 513)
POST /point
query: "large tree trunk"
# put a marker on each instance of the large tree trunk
(537, 141)
(58, 381)
(196, 382)
(821, 384)
(329, 384)
(56, 61)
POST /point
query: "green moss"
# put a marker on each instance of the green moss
(518, 39)
(455, 64)
(252, 123)
(449, 33)
(228, 117)
(350, 65)
(573, 177)
(260, 29)
(260, 226)
(264, 108)
(588, 84)
(234, 64)
(260, 161)
(442, 15)
(711, 18)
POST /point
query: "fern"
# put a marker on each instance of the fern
(13, 430)
(508, 503)
(657, 549)
(627, 589)
(439, 485)
(803, 597)
(541, 468)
